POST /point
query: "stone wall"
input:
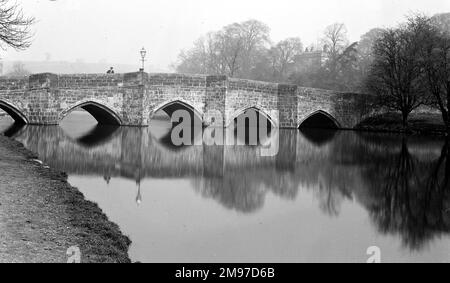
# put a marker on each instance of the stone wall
(244, 94)
(163, 90)
(287, 106)
(338, 106)
(132, 99)
(13, 97)
(215, 100)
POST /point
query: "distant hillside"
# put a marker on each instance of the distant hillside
(64, 67)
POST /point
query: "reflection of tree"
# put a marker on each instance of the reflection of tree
(245, 191)
(248, 177)
(241, 194)
(412, 196)
(330, 194)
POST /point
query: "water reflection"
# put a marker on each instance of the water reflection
(319, 137)
(411, 196)
(97, 136)
(12, 130)
(403, 184)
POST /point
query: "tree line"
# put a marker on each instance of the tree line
(245, 50)
(404, 67)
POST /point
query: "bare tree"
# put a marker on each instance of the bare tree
(340, 69)
(193, 61)
(435, 59)
(14, 26)
(396, 75)
(231, 44)
(283, 55)
(365, 50)
(335, 41)
(232, 51)
(255, 35)
(256, 39)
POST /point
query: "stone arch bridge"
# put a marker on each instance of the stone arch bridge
(132, 99)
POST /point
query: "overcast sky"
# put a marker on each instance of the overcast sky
(115, 31)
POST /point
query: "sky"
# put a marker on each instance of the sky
(114, 31)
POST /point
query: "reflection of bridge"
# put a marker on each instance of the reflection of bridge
(134, 153)
(133, 99)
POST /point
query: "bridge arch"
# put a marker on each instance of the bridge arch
(319, 119)
(14, 112)
(102, 113)
(173, 105)
(264, 113)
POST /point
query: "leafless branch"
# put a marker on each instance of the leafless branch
(14, 26)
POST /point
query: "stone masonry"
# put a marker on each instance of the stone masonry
(132, 99)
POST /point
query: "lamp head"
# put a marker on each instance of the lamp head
(143, 52)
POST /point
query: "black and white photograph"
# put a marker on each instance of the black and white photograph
(224, 139)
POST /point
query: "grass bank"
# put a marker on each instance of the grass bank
(419, 124)
(42, 215)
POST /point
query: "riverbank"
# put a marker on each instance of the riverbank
(42, 215)
(419, 124)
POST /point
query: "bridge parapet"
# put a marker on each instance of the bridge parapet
(90, 81)
(13, 84)
(45, 80)
(161, 79)
(85, 81)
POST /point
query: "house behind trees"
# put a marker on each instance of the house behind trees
(309, 61)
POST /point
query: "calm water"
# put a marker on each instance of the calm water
(325, 197)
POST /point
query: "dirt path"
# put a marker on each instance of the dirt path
(41, 215)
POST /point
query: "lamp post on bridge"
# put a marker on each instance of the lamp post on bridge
(143, 54)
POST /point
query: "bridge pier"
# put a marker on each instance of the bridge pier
(41, 99)
(134, 96)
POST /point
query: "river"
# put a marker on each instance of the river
(325, 197)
